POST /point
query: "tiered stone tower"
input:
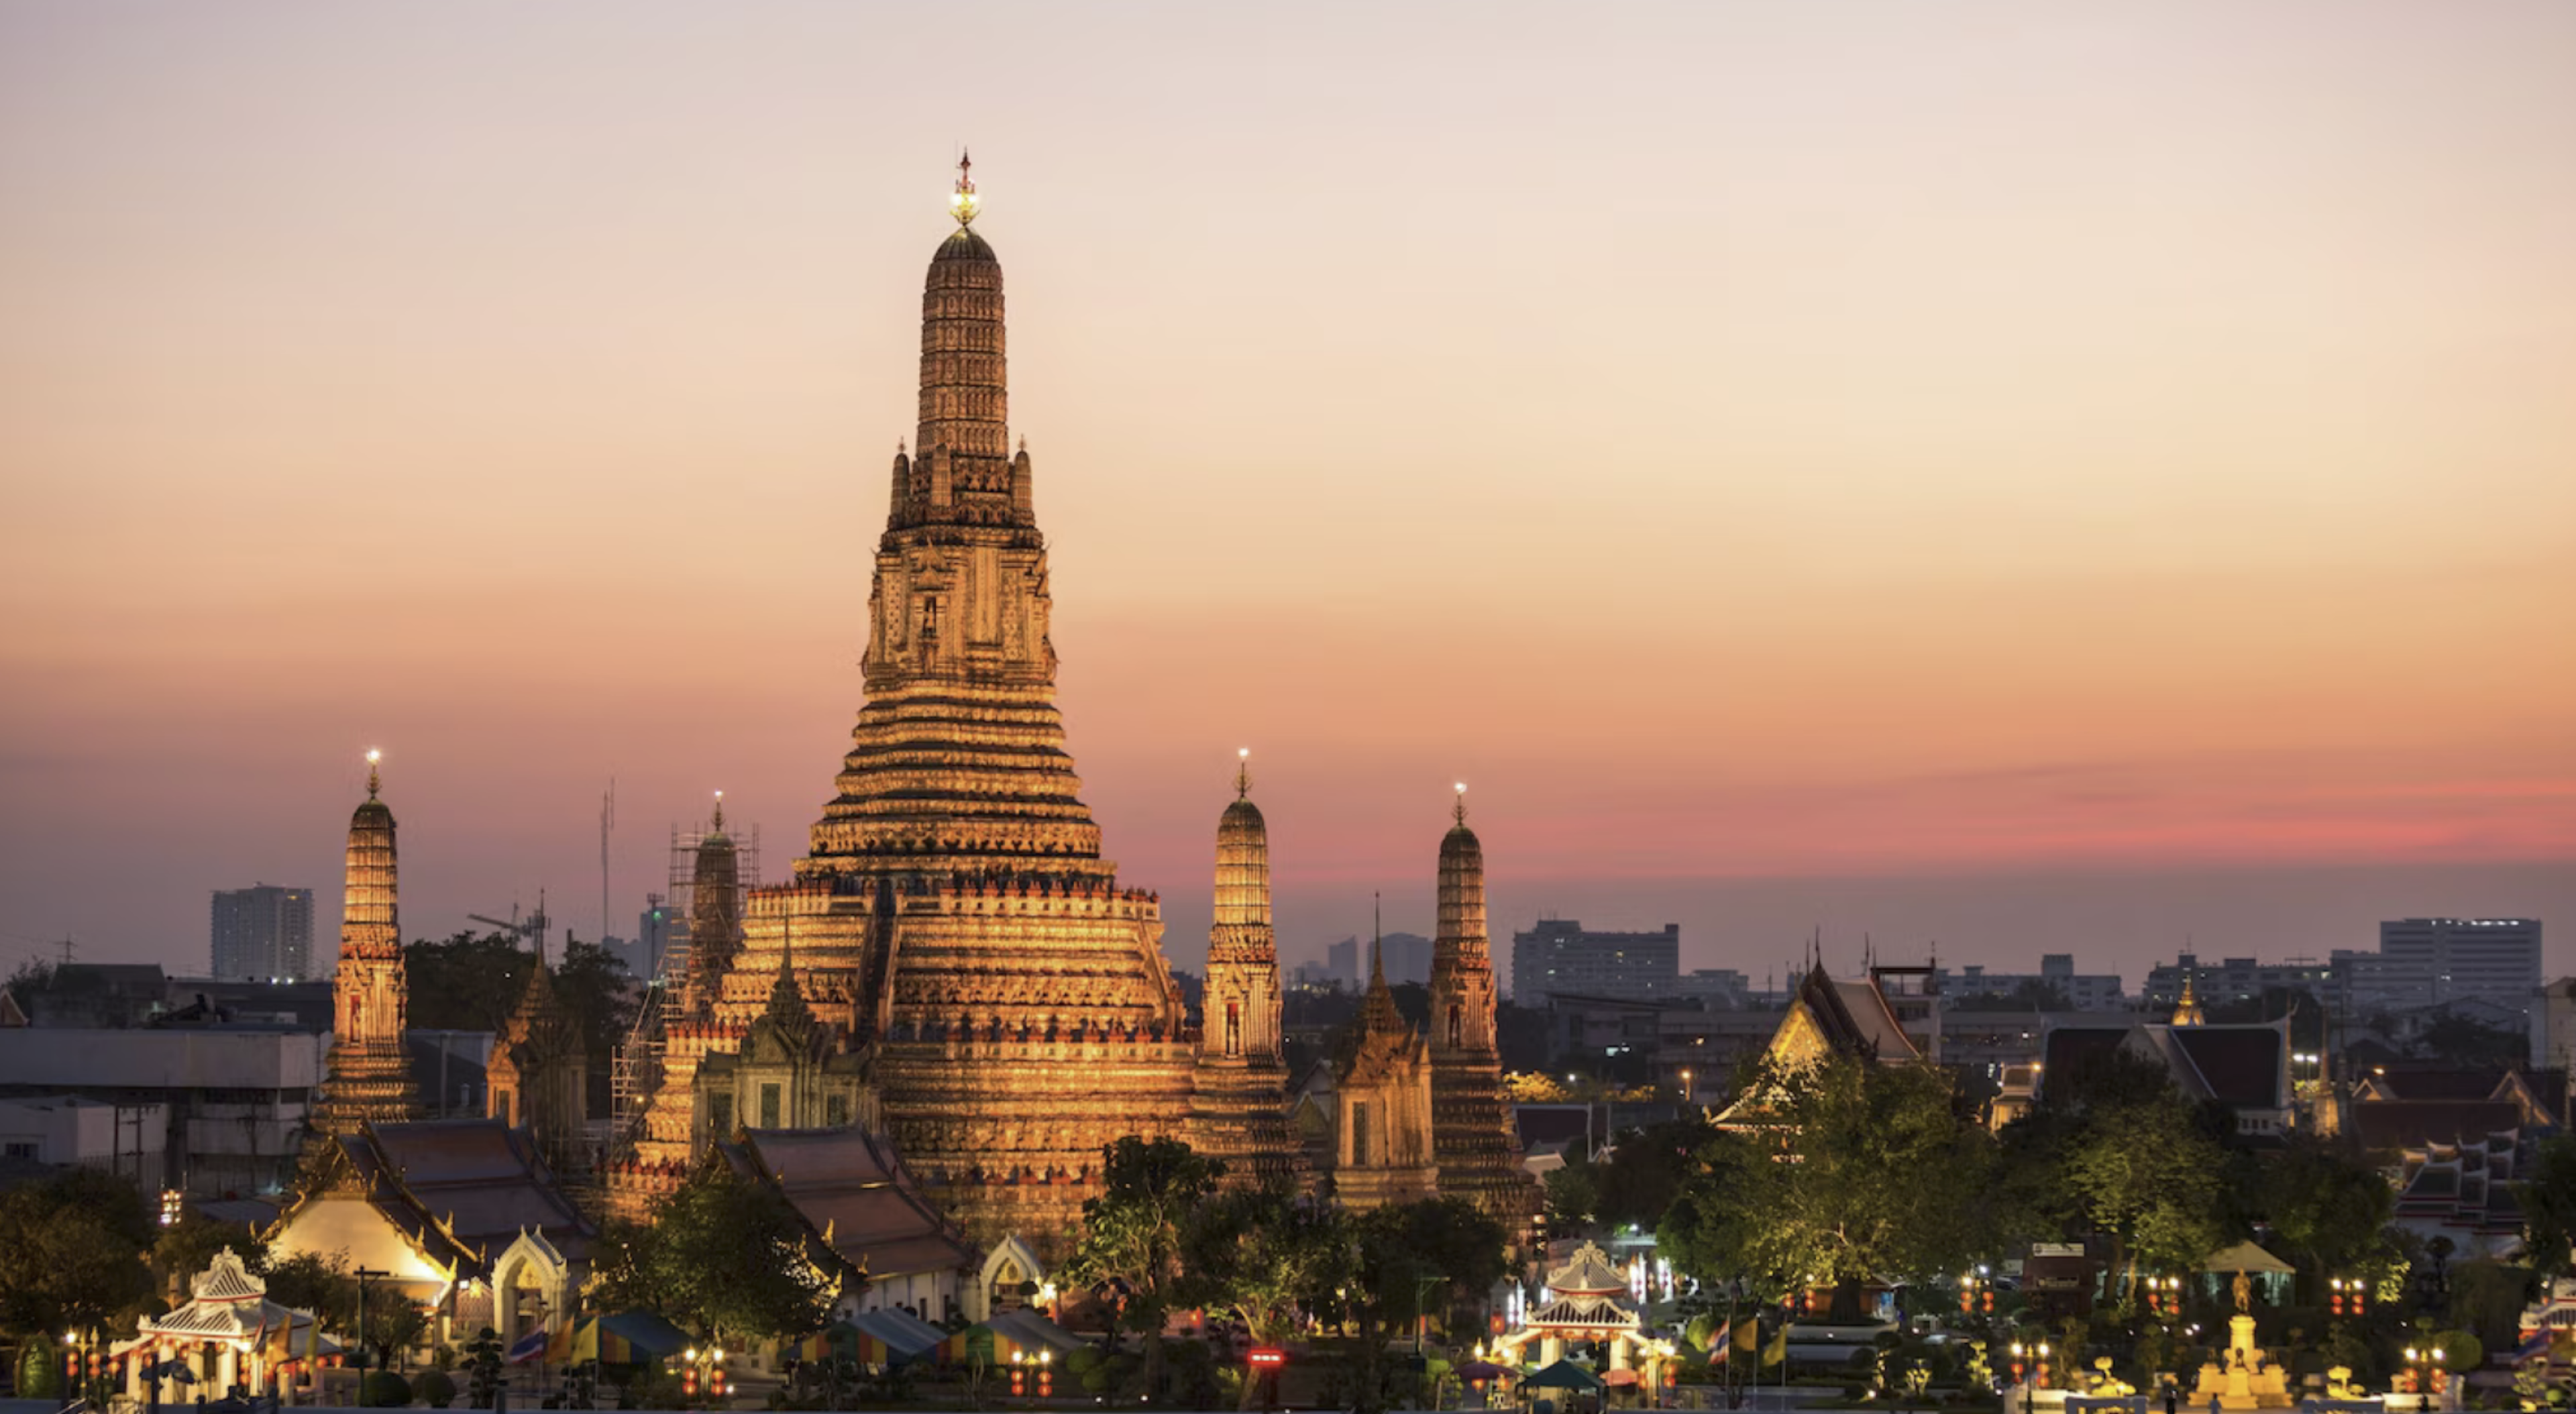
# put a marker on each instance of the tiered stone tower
(1473, 1141)
(1240, 1114)
(666, 1149)
(954, 912)
(368, 1077)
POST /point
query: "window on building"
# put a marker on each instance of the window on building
(1456, 1028)
(1359, 1133)
(1233, 1029)
(769, 1107)
(836, 1111)
(19, 1149)
(720, 1116)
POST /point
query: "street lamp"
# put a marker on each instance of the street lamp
(1687, 1091)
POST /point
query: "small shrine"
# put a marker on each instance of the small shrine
(229, 1334)
(1582, 1305)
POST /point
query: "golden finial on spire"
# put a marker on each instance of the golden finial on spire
(719, 826)
(962, 203)
(1243, 773)
(1459, 811)
(375, 782)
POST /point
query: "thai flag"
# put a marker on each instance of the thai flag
(528, 1347)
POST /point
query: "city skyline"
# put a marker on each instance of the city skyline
(2078, 483)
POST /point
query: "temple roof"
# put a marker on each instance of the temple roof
(462, 1190)
(2238, 1065)
(1587, 1272)
(1854, 1016)
(852, 1189)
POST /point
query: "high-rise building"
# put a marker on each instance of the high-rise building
(1557, 956)
(263, 932)
(1403, 957)
(1342, 961)
(2431, 960)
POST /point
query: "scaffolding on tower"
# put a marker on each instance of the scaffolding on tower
(637, 1068)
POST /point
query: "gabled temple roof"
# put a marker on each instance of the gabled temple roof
(2238, 1065)
(1854, 1016)
(461, 1190)
(852, 1189)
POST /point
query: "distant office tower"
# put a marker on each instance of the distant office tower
(1407, 958)
(263, 932)
(2449, 959)
(1557, 957)
(1342, 960)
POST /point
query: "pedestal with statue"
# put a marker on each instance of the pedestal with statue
(2247, 1378)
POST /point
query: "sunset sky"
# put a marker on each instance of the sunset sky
(2033, 477)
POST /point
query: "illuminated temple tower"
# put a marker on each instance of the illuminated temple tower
(954, 916)
(659, 1157)
(1473, 1142)
(1240, 1115)
(368, 1078)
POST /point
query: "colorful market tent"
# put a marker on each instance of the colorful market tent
(627, 1338)
(1024, 1333)
(892, 1336)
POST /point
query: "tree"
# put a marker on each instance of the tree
(2548, 1200)
(1268, 1256)
(1573, 1195)
(595, 987)
(1132, 1232)
(75, 1246)
(730, 1256)
(2328, 1211)
(469, 982)
(1395, 1259)
(188, 1246)
(1646, 1170)
(2147, 1174)
(1861, 1171)
(2466, 1041)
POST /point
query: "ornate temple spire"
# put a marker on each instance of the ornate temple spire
(1462, 893)
(1473, 1138)
(2187, 1011)
(1242, 863)
(959, 764)
(715, 916)
(964, 394)
(369, 1077)
(1378, 1013)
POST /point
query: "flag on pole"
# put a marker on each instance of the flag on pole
(527, 1347)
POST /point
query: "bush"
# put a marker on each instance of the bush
(387, 1390)
(436, 1390)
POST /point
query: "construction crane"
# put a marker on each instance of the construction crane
(533, 931)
